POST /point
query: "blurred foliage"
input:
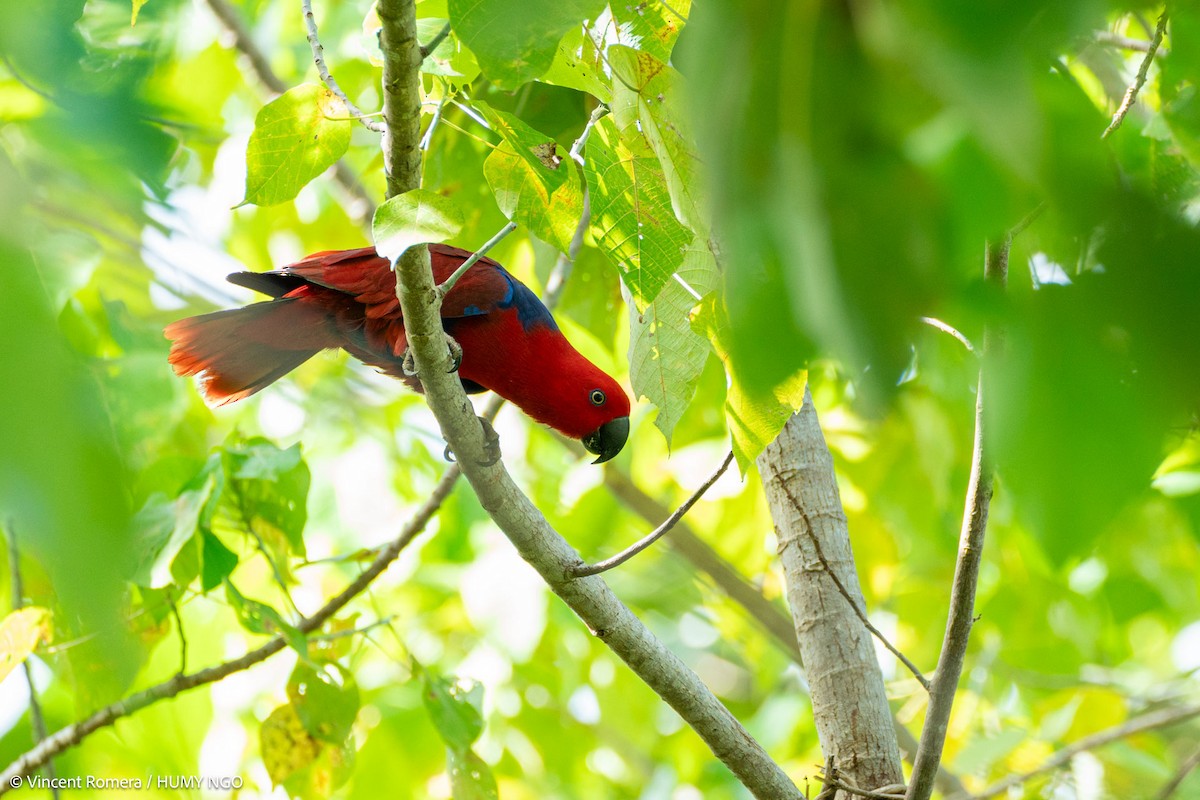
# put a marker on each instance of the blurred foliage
(778, 188)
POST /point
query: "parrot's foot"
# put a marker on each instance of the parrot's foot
(491, 445)
(409, 367)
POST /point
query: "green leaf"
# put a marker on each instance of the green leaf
(261, 618)
(666, 356)
(326, 700)
(648, 100)
(269, 488)
(164, 527)
(216, 561)
(470, 776)
(454, 708)
(579, 64)
(535, 185)
(296, 137)
(755, 417)
(285, 744)
(20, 634)
(632, 217)
(450, 60)
(650, 27)
(515, 40)
(415, 217)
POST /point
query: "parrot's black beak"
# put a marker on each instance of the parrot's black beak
(607, 440)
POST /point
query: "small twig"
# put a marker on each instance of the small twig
(330, 637)
(1190, 763)
(318, 53)
(841, 587)
(448, 284)
(37, 721)
(950, 329)
(433, 122)
(1027, 220)
(576, 153)
(1138, 82)
(1147, 722)
(1123, 42)
(427, 49)
(582, 570)
(966, 569)
(854, 790)
(183, 646)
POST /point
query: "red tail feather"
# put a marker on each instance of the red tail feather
(236, 353)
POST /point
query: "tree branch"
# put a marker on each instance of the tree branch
(1140, 80)
(318, 53)
(841, 587)
(850, 707)
(73, 734)
(656, 534)
(1189, 764)
(401, 98)
(966, 571)
(1147, 722)
(361, 205)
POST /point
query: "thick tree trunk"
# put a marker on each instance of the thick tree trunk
(850, 708)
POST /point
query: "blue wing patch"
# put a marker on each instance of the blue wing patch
(529, 307)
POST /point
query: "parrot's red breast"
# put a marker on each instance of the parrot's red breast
(510, 343)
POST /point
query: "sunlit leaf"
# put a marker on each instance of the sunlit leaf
(296, 137)
(754, 418)
(137, 6)
(579, 64)
(631, 211)
(269, 491)
(666, 355)
(20, 634)
(515, 40)
(415, 217)
(534, 185)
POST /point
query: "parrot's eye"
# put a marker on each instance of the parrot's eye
(597, 397)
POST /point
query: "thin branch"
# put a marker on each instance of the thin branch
(1189, 764)
(945, 327)
(841, 587)
(318, 53)
(966, 570)
(1027, 220)
(362, 204)
(583, 570)
(183, 644)
(1138, 82)
(854, 790)
(1147, 722)
(448, 284)
(576, 153)
(36, 720)
(433, 122)
(73, 734)
(428, 48)
(1122, 42)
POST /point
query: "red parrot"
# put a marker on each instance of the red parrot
(510, 342)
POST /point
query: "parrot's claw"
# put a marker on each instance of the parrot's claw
(409, 367)
(491, 445)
